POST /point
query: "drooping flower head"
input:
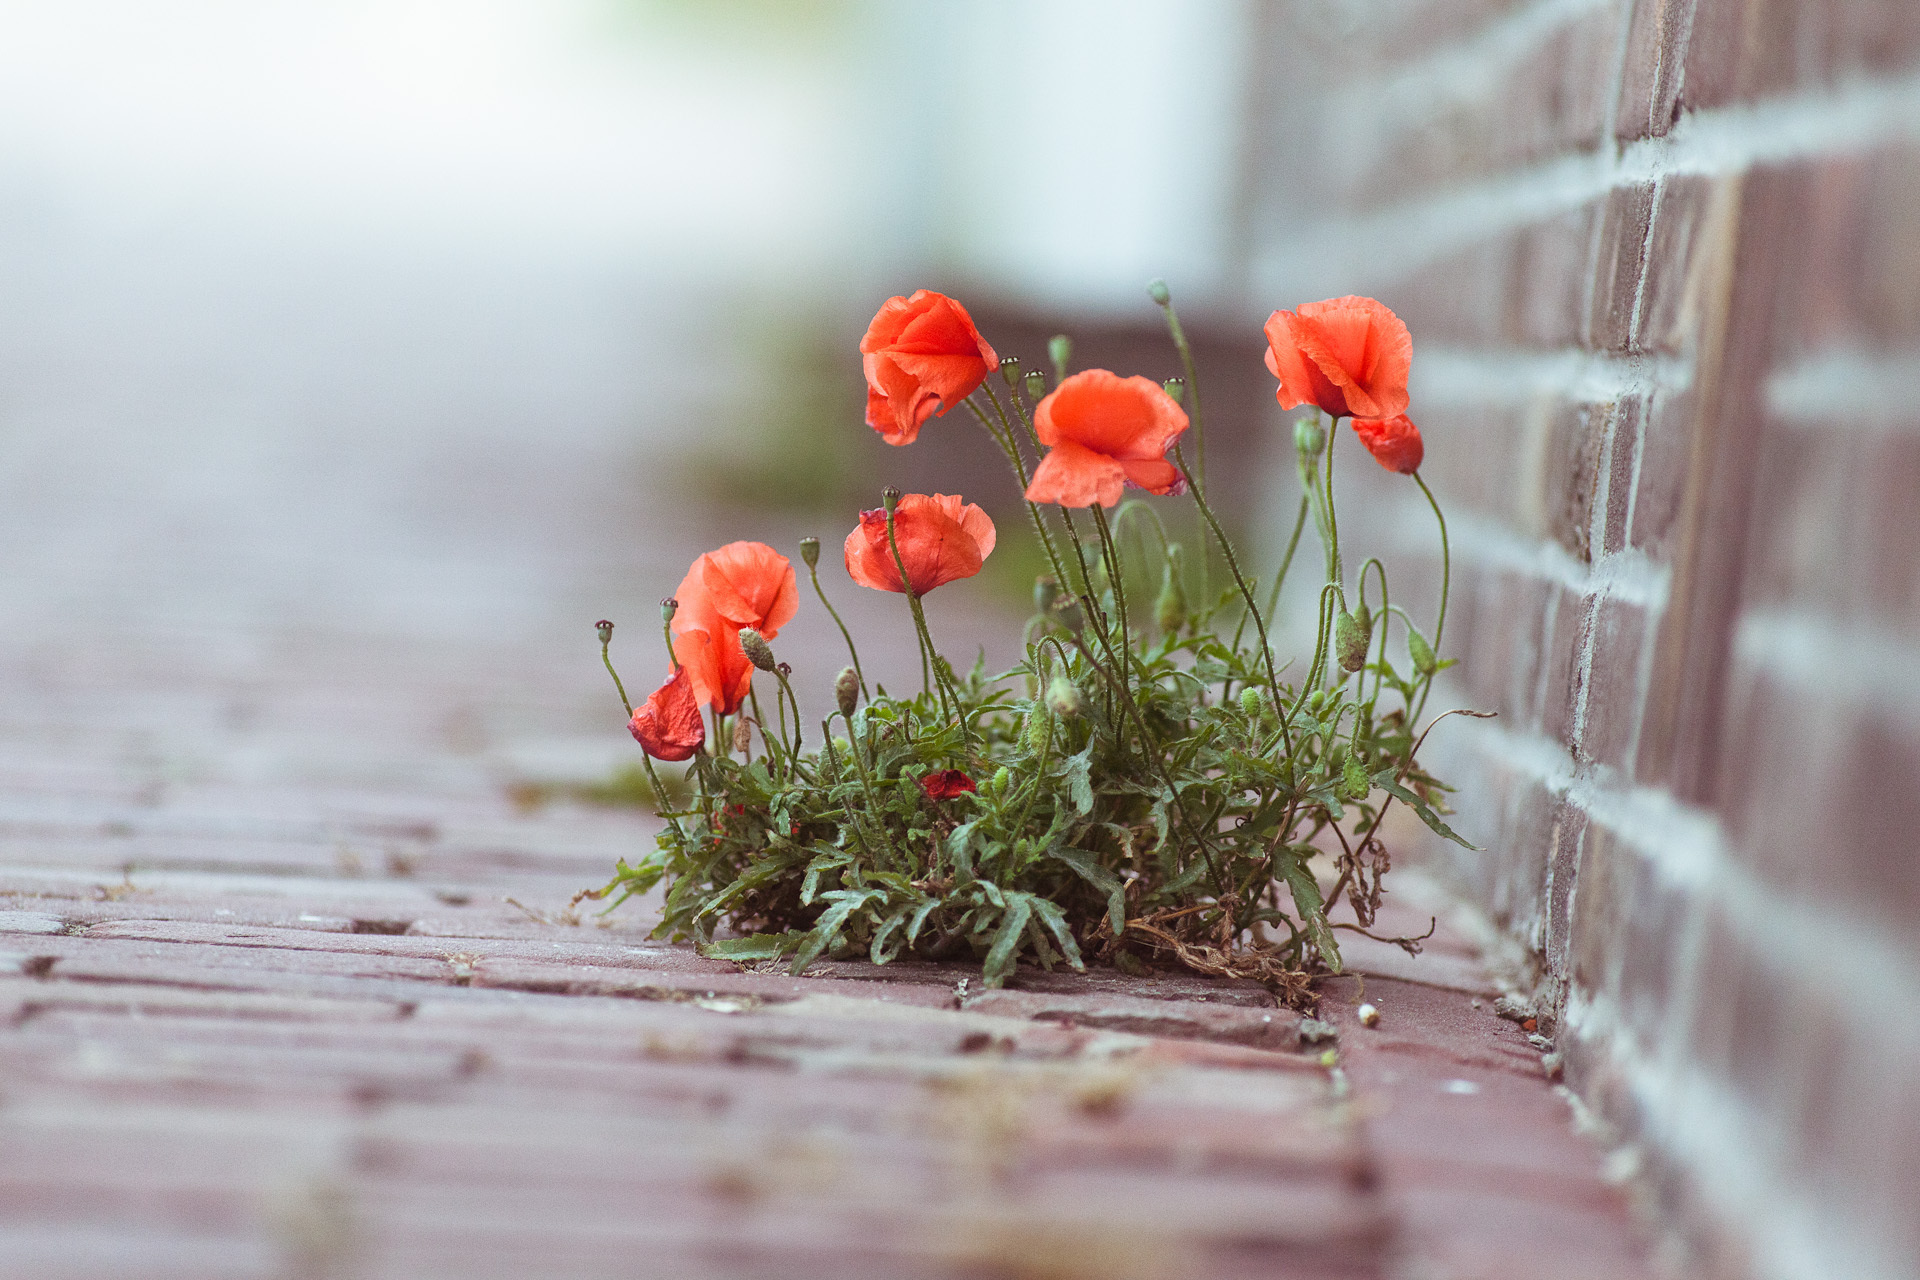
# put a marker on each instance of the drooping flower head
(1105, 432)
(668, 725)
(1394, 442)
(743, 584)
(942, 537)
(922, 357)
(1350, 356)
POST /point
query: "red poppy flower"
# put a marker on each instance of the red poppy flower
(942, 537)
(922, 356)
(946, 784)
(668, 726)
(743, 584)
(1105, 432)
(1394, 442)
(1350, 356)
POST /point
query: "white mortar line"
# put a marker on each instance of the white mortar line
(1863, 662)
(1701, 1124)
(1627, 575)
(1371, 249)
(1462, 376)
(1478, 66)
(1849, 389)
(1687, 848)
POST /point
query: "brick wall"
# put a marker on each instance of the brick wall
(1661, 260)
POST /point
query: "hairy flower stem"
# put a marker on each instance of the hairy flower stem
(1111, 550)
(787, 688)
(1333, 521)
(624, 700)
(1239, 579)
(646, 761)
(813, 571)
(866, 783)
(1446, 573)
(929, 659)
(1181, 345)
(1007, 446)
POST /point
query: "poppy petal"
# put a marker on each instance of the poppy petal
(1394, 442)
(667, 725)
(1073, 475)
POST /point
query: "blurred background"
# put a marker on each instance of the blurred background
(387, 335)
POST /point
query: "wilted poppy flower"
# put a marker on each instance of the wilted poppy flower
(942, 537)
(946, 784)
(922, 356)
(1394, 442)
(1105, 432)
(667, 725)
(1350, 356)
(743, 584)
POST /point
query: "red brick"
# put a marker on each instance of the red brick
(1681, 231)
(1621, 257)
(1563, 676)
(1650, 81)
(1613, 690)
(1740, 52)
(1546, 281)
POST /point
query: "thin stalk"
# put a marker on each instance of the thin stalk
(1246, 592)
(933, 683)
(1446, 573)
(866, 780)
(1007, 446)
(813, 571)
(1334, 572)
(1111, 550)
(1286, 562)
(1187, 366)
(624, 700)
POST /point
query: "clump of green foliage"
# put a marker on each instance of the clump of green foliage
(1142, 789)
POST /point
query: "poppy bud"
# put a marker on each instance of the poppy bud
(1364, 616)
(1349, 642)
(742, 735)
(1066, 612)
(810, 551)
(1309, 437)
(668, 608)
(1063, 698)
(1060, 351)
(1252, 701)
(1002, 780)
(846, 690)
(1170, 610)
(889, 498)
(1036, 729)
(1422, 653)
(1176, 389)
(1046, 588)
(1036, 385)
(605, 629)
(1010, 370)
(1354, 782)
(758, 651)
(1157, 290)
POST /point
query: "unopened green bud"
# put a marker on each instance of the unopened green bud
(1157, 290)
(1422, 653)
(1063, 697)
(1038, 726)
(1067, 612)
(1176, 389)
(1046, 589)
(1060, 351)
(668, 608)
(810, 551)
(1002, 780)
(1349, 642)
(1309, 437)
(1036, 384)
(1354, 782)
(605, 629)
(1252, 701)
(1170, 610)
(1010, 370)
(890, 498)
(846, 690)
(759, 652)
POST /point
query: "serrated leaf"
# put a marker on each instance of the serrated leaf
(1004, 953)
(760, 946)
(1310, 907)
(1384, 780)
(1056, 922)
(1099, 877)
